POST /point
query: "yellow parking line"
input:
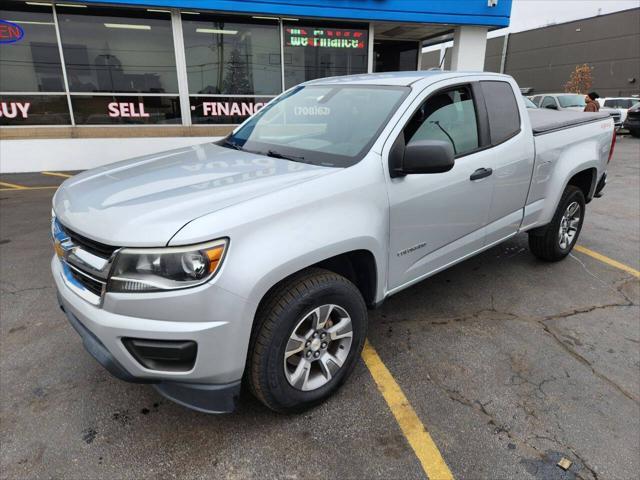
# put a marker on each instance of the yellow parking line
(57, 174)
(608, 261)
(414, 431)
(12, 186)
(21, 188)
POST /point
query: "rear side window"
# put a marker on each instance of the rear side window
(446, 115)
(502, 109)
(548, 102)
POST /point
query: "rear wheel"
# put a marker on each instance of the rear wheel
(556, 240)
(309, 334)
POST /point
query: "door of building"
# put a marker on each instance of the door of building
(395, 55)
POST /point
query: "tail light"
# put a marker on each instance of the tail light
(613, 145)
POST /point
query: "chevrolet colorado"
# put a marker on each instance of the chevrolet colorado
(252, 261)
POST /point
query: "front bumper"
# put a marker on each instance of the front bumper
(217, 320)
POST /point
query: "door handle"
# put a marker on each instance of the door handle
(481, 173)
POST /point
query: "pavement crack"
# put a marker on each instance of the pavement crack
(584, 463)
(22, 290)
(557, 337)
(579, 311)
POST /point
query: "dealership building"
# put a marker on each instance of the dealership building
(88, 83)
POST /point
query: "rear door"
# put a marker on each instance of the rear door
(437, 218)
(512, 159)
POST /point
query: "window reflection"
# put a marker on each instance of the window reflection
(232, 55)
(118, 50)
(31, 64)
(318, 50)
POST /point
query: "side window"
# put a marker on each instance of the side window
(502, 108)
(548, 101)
(610, 103)
(450, 116)
(536, 100)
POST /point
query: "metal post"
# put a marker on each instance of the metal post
(505, 46)
(282, 53)
(181, 67)
(420, 55)
(64, 65)
(370, 49)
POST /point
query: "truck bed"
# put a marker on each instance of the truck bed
(546, 121)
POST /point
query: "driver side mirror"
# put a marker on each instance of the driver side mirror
(420, 156)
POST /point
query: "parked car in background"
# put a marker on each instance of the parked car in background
(622, 104)
(572, 101)
(528, 103)
(632, 122)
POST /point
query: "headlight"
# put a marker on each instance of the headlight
(170, 268)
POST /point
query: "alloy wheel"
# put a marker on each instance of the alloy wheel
(318, 347)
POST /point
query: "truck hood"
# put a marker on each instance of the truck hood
(146, 200)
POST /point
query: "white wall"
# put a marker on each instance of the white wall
(82, 153)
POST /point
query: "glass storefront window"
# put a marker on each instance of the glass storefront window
(231, 55)
(316, 51)
(30, 62)
(20, 110)
(125, 110)
(120, 63)
(118, 50)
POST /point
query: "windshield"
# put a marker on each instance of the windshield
(528, 103)
(331, 125)
(571, 101)
(621, 102)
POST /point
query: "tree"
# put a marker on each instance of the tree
(580, 80)
(237, 78)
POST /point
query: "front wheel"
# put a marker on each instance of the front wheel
(555, 241)
(309, 334)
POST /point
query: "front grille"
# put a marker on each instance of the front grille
(89, 283)
(97, 248)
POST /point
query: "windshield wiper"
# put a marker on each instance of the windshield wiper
(293, 158)
(233, 145)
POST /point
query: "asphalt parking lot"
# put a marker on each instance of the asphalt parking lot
(510, 364)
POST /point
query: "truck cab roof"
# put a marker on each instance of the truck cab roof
(398, 78)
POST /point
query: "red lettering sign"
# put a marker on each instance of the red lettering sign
(127, 110)
(10, 32)
(237, 109)
(14, 109)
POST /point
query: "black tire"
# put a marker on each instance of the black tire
(544, 242)
(277, 319)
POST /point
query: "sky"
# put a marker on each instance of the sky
(528, 14)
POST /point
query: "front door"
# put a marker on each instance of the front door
(395, 55)
(435, 219)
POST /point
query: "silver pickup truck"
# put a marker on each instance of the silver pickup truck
(252, 261)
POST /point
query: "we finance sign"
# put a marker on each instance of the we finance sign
(326, 38)
(10, 32)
